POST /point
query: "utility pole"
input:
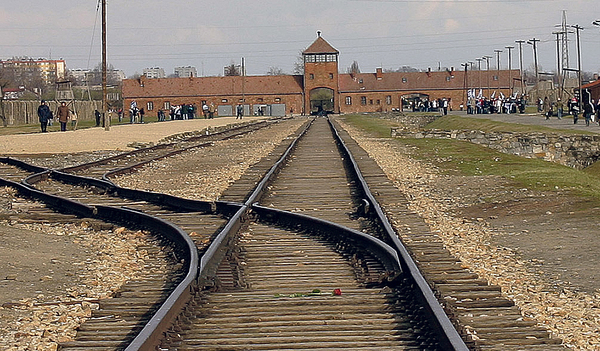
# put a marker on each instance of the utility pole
(533, 42)
(465, 81)
(521, 42)
(487, 73)
(479, 69)
(498, 67)
(510, 84)
(578, 29)
(558, 66)
(243, 83)
(104, 92)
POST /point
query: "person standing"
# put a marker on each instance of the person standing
(97, 115)
(588, 111)
(63, 116)
(559, 108)
(205, 110)
(240, 112)
(74, 120)
(44, 115)
(211, 111)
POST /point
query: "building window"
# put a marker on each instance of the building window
(259, 99)
(388, 100)
(378, 102)
(330, 75)
(167, 105)
(309, 58)
(370, 101)
(404, 80)
(224, 100)
(348, 100)
(150, 106)
(277, 99)
(331, 58)
(495, 77)
(311, 76)
(447, 79)
(363, 100)
(360, 81)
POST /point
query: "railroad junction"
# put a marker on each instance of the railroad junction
(218, 173)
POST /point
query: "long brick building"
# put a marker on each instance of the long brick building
(320, 88)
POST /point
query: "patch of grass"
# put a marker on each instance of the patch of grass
(453, 122)
(464, 158)
(82, 124)
(378, 127)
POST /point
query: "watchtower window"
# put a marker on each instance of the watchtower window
(320, 58)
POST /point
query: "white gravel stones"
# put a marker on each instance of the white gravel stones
(40, 322)
(572, 316)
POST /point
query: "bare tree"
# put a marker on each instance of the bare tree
(275, 71)
(299, 64)
(4, 83)
(232, 70)
(353, 69)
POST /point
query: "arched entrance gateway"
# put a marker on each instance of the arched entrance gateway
(414, 101)
(322, 101)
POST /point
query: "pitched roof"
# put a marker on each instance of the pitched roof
(320, 46)
(593, 84)
(212, 86)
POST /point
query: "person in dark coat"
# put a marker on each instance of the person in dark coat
(44, 115)
(63, 116)
(97, 115)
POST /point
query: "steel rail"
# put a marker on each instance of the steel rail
(103, 161)
(453, 340)
(386, 254)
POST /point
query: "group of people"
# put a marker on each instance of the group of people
(495, 104)
(63, 113)
(425, 105)
(186, 111)
(589, 108)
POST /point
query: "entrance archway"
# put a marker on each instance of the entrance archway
(321, 101)
(413, 101)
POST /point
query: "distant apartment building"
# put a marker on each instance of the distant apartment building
(155, 72)
(49, 70)
(83, 76)
(184, 72)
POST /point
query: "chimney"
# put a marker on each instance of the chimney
(379, 73)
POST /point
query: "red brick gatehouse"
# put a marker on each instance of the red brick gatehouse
(321, 87)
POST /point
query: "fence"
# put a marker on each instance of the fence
(25, 112)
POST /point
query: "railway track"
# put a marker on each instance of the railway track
(131, 161)
(258, 288)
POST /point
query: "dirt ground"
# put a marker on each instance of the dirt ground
(558, 235)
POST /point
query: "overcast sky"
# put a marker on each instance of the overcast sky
(376, 33)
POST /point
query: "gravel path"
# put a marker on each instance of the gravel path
(120, 137)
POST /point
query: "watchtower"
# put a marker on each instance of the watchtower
(321, 83)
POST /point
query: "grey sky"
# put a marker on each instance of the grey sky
(376, 33)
